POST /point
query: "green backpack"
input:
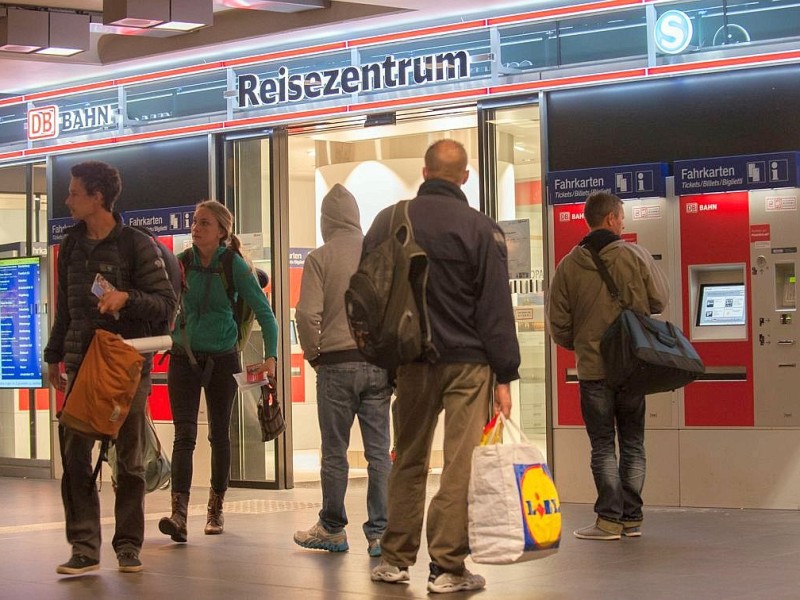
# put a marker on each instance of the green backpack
(242, 313)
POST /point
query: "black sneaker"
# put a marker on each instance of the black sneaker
(129, 562)
(78, 564)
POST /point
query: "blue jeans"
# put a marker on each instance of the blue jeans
(183, 383)
(609, 415)
(344, 391)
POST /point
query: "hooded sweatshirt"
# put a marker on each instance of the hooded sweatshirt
(321, 319)
(580, 308)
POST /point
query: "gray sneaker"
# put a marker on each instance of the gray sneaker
(593, 532)
(442, 582)
(374, 548)
(319, 538)
(389, 573)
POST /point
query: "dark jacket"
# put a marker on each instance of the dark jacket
(142, 275)
(469, 300)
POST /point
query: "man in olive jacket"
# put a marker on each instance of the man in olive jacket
(579, 309)
(129, 260)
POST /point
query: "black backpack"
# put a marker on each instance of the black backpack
(386, 301)
(127, 250)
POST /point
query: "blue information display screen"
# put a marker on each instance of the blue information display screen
(20, 331)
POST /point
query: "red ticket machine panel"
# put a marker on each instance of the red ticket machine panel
(715, 241)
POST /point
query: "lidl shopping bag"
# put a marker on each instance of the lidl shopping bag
(100, 397)
(514, 511)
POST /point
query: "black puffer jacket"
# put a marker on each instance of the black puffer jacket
(469, 301)
(142, 275)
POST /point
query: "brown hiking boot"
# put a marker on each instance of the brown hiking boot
(214, 519)
(175, 525)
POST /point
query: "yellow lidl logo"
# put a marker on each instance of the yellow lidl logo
(541, 509)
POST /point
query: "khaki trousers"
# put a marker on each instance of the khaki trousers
(464, 392)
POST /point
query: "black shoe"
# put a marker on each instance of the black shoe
(78, 565)
(129, 562)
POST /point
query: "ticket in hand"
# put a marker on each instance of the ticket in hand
(101, 285)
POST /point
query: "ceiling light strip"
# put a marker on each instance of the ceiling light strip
(236, 62)
(575, 80)
(630, 74)
(283, 117)
(723, 63)
(417, 33)
(566, 11)
(443, 97)
(13, 100)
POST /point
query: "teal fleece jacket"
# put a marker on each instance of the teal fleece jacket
(215, 331)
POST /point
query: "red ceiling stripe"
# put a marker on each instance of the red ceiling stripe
(544, 84)
(723, 63)
(395, 102)
(417, 33)
(235, 62)
(14, 100)
(321, 112)
(564, 11)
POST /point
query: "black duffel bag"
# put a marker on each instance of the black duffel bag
(643, 355)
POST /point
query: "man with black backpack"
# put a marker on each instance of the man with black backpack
(473, 331)
(134, 292)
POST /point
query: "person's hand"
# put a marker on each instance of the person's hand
(54, 377)
(502, 399)
(269, 367)
(112, 302)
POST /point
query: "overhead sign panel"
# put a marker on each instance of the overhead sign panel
(645, 180)
(732, 173)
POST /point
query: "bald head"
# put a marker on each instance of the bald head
(446, 159)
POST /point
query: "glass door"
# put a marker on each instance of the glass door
(513, 189)
(249, 185)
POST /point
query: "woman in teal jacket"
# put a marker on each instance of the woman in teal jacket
(205, 355)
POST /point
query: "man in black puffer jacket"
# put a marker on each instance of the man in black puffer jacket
(129, 260)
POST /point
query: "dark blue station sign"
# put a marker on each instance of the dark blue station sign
(726, 174)
(645, 180)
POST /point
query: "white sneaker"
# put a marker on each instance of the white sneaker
(444, 582)
(389, 573)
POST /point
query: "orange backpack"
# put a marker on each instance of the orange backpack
(100, 397)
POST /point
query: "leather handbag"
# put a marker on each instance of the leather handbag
(643, 355)
(270, 415)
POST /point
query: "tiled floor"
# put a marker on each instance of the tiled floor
(684, 554)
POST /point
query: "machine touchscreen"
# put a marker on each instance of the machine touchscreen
(721, 304)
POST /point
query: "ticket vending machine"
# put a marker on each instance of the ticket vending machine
(739, 232)
(650, 220)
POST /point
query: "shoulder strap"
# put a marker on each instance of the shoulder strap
(399, 220)
(226, 260)
(603, 270)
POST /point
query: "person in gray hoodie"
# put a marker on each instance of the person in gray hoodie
(347, 385)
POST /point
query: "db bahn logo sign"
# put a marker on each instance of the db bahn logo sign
(48, 122)
(673, 32)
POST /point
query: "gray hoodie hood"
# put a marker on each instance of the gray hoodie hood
(339, 213)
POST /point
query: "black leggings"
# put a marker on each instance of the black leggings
(184, 384)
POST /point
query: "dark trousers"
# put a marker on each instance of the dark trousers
(184, 385)
(81, 501)
(612, 418)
